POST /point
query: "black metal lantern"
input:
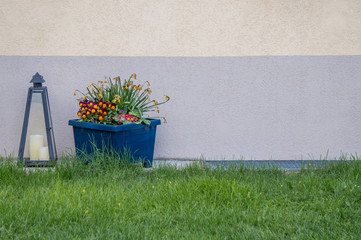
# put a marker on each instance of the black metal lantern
(37, 145)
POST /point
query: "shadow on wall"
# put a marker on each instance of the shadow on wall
(257, 107)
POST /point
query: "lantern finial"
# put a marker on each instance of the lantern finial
(37, 80)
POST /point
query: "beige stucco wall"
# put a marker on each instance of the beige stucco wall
(180, 27)
(257, 104)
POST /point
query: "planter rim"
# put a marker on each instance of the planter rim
(113, 128)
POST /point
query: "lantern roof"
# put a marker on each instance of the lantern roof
(37, 78)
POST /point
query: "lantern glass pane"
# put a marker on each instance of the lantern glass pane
(36, 140)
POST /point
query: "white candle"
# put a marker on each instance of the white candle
(36, 141)
(43, 153)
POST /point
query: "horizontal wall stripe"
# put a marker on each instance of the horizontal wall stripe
(270, 107)
(180, 28)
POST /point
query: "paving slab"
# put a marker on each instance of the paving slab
(287, 165)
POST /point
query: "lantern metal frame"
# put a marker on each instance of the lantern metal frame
(37, 81)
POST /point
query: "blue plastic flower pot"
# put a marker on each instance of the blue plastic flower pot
(139, 139)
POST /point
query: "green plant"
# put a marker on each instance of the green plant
(117, 102)
(93, 201)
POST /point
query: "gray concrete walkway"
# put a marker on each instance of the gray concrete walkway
(287, 165)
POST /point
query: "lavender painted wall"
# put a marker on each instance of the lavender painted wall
(279, 107)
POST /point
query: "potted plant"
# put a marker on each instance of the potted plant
(112, 115)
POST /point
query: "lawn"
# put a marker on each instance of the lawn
(74, 201)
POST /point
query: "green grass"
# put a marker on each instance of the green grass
(190, 203)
